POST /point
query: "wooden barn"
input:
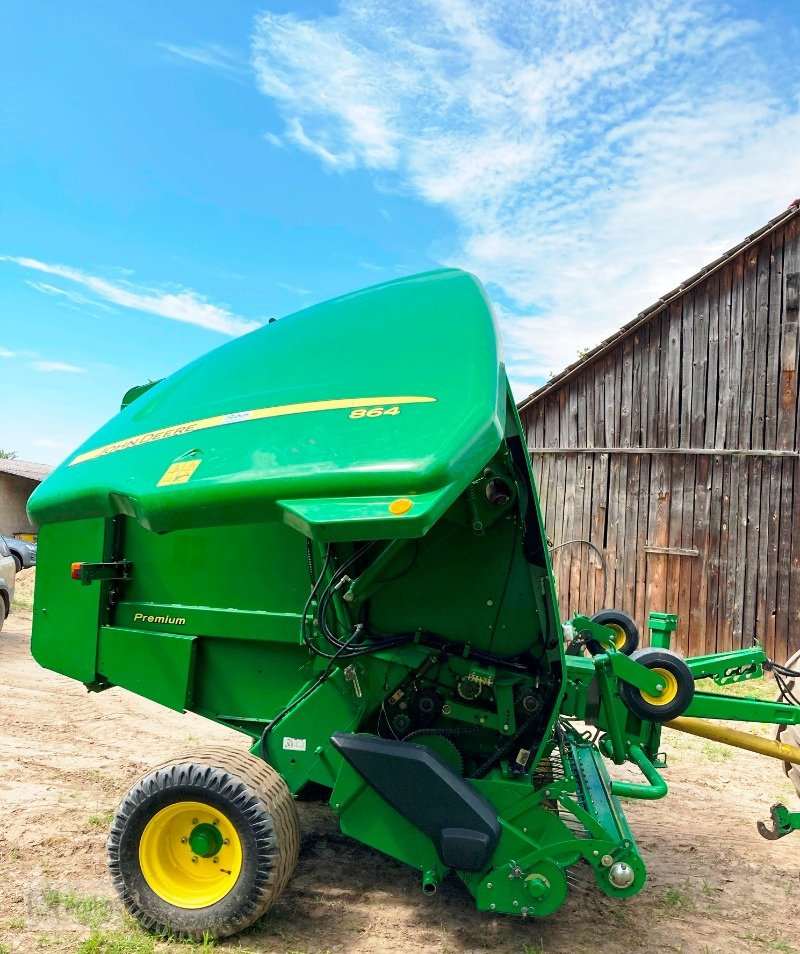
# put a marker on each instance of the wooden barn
(667, 458)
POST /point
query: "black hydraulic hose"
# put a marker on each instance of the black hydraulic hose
(311, 595)
(783, 670)
(327, 593)
(785, 692)
(296, 702)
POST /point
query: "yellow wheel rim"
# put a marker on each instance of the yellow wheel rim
(190, 855)
(669, 691)
(619, 634)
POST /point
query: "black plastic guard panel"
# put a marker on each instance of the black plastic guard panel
(424, 789)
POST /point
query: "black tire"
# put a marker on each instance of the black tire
(627, 636)
(680, 687)
(250, 797)
(17, 562)
(790, 734)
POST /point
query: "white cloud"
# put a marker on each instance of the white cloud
(5, 353)
(591, 154)
(57, 366)
(73, 297)
(185, 305)
(211, 55)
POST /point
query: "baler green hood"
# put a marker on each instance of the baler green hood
(273, 424)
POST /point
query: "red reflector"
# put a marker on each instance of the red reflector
(76, 570)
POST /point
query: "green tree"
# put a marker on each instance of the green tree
(7, 455)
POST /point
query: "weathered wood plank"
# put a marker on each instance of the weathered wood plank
(760, 367)
(687, 465)
(633, 540)
(687, 370)
(716, 591)
(726, 346)
(787, 385)
(746, 398)
(599, 524)
(642, 534)
(698, 569)
(774, 333)
(770, 569)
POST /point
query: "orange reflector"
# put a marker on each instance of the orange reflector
(400, 506)
(76, 570)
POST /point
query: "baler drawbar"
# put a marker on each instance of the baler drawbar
(326, 535)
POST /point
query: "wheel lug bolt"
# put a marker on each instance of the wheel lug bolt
(194, 860)
(225, 841)
(215, 822)
(194, 821)
(216, 861)
(184, 840)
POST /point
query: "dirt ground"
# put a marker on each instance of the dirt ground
(66, 758)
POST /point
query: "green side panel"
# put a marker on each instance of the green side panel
(474, 588)
(394, 391)
(252, 567)
(67, 615)
(237, 680)
(366, 816)
(157, 666)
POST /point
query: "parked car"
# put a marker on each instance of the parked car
(23, 552)
(8, 572)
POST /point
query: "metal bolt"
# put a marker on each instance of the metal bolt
(194, 860)
(489, 886)
(492, 907)
(184, 840)
(226, 841)
(489, 602)
(606, 861)
(621, 875)
(525, 830)
(215, 822)
(659, 688)
(524, 912)
(216, 861)
(595, 853)
(516, 904)
(505, 728)
(194, 821)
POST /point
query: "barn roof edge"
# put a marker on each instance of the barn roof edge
(608, 343)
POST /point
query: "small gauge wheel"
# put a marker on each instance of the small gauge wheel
(626, 633)
(676, 695)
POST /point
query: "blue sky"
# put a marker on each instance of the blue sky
(173, 174)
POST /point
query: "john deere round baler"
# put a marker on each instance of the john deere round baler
(326, 535)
